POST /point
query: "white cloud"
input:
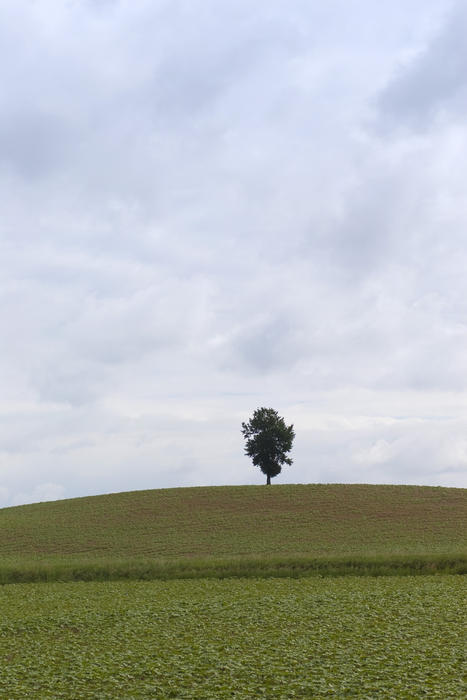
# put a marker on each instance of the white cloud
(378, 453)
(40, 493)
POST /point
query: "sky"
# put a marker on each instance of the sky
(209, 206)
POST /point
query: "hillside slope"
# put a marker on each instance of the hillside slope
(316, 520)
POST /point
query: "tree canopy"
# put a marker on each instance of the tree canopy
(268, 440)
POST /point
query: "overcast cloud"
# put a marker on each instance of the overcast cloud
(210, 206)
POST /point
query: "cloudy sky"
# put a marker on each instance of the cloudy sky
(207, 206)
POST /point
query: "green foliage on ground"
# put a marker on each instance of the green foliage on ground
(228, 567)
(284, 530)
(344, 637)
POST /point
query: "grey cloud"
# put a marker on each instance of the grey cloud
(33, 144)
(69, 380)
(264, 346)
(368, 233)
(433, 84)
(197, 220)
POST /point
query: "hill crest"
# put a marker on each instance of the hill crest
(319, 520)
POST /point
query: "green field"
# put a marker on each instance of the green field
(242, 530)
(310, 634)
(307, 638)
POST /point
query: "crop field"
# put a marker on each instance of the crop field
(315, 520)
(277, 638)
(282, 530)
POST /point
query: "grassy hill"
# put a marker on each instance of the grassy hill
(285, 529)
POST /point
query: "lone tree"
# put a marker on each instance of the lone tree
(268, 440)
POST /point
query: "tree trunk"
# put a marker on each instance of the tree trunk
(268, 480)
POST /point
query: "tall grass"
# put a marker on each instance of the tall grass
(233, 567)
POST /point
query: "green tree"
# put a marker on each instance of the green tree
(268, 440)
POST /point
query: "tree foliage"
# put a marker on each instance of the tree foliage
(268, 440)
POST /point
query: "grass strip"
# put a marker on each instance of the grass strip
(238, 567)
